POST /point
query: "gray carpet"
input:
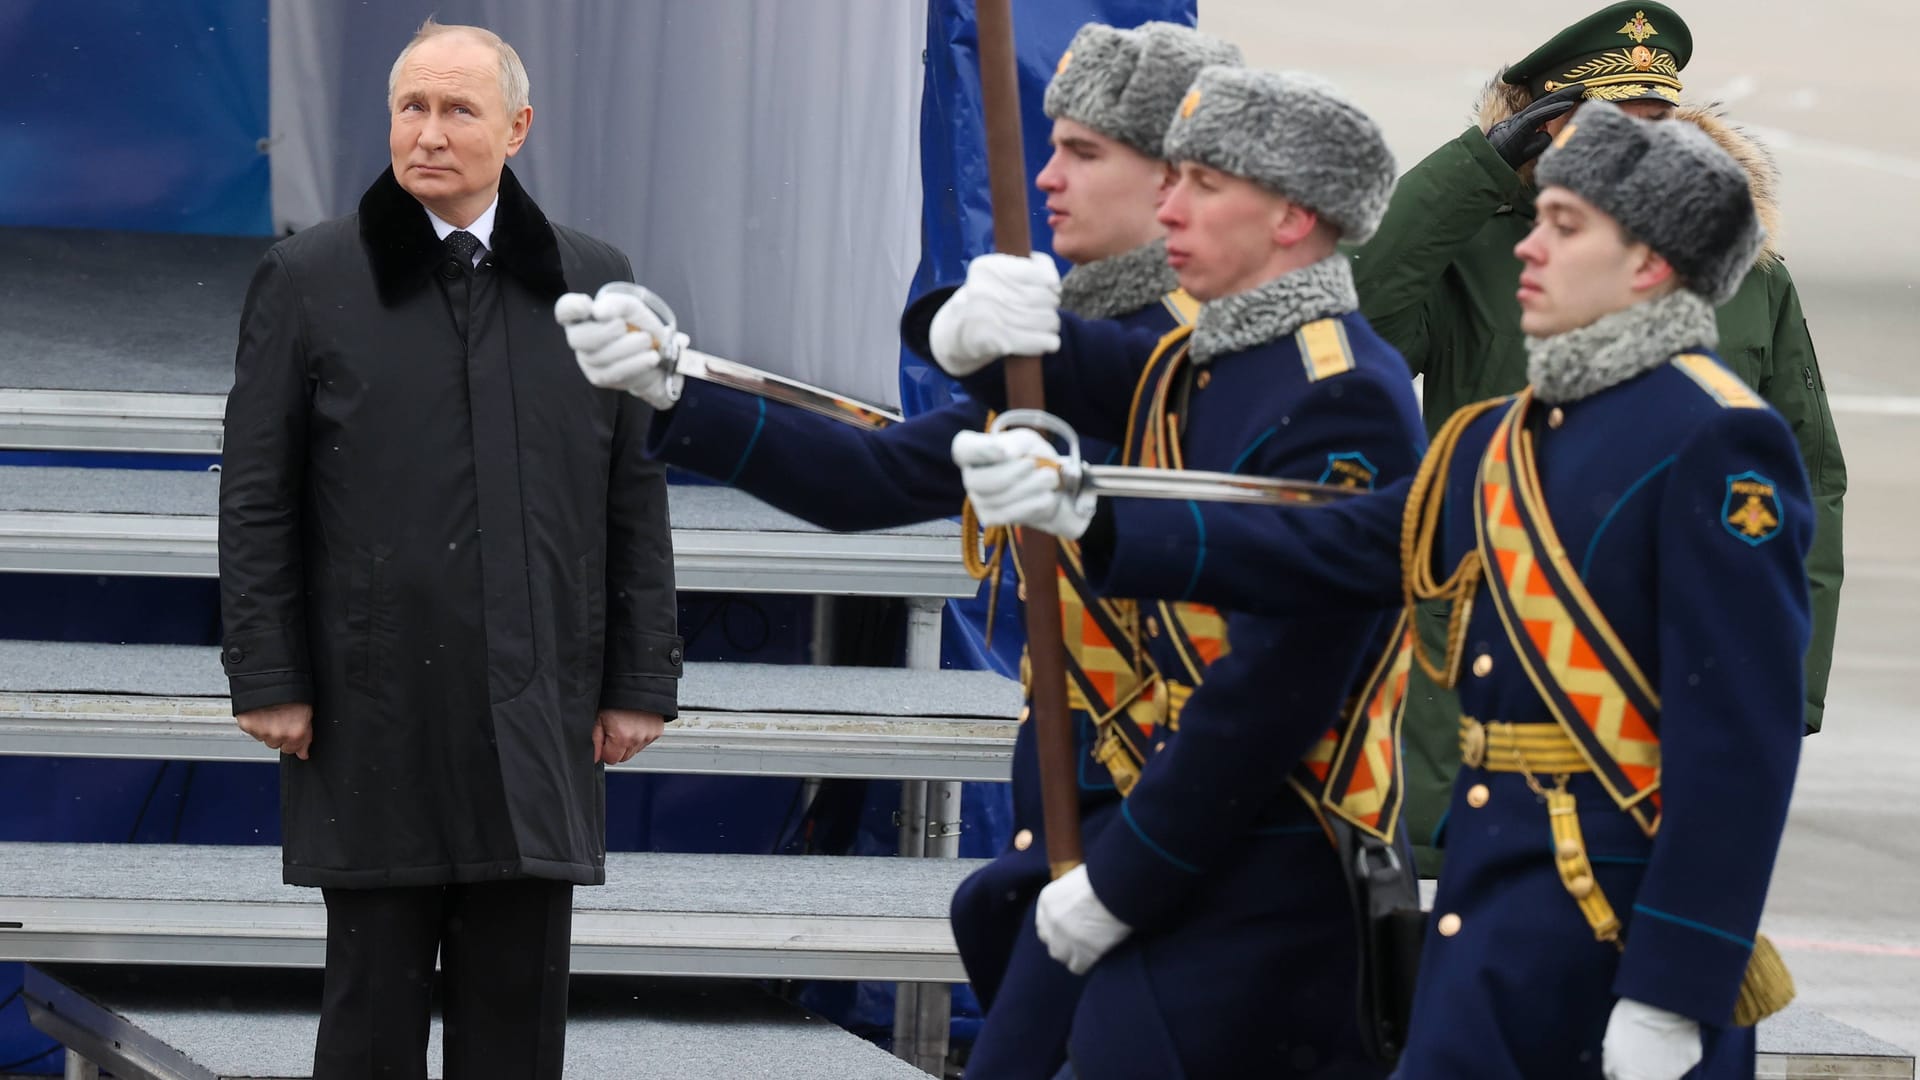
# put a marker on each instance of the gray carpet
(141, 491)
(194, 671)
(626, 1028)
(173, 301)
(636, 881)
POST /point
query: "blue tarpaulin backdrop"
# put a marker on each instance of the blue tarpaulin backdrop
(139, 116)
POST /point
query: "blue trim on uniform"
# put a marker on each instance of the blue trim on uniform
(1126, 814)
(1248, 452)
(1608, 520)
(1288, 830)
(1200, 560)
(759, 425)
(1691, 925)
(1372, 469)
(1440, 829)
(1617, 860)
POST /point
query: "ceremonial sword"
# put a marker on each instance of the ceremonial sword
(720, 371)
(1136, 482)
(1113, 481)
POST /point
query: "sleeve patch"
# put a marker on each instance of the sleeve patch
(1349, 470)
(1751, 511)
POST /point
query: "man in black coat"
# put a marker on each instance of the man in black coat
(446, 578)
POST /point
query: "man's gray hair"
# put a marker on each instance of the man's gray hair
(515, 89)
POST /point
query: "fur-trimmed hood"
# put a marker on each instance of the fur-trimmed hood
(1499, 100)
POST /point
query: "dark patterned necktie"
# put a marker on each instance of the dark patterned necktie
(462, 245)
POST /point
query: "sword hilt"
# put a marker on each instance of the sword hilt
(1072, 472)
(669, 349)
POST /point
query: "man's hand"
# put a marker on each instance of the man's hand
(1009, 306)
(1017, 478)
(286, 728)
(1646, 1043)
(617, 342)
(621, 733)
(1522, 137)
(1077, 928)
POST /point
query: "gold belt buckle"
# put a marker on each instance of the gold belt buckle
(1473, 742)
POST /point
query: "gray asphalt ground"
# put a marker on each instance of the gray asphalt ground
(1831, 88)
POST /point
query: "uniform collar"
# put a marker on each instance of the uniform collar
(1615, 348)
(1274, 310)
(1121, 283)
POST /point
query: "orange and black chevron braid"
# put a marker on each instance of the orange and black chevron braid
(1356, 764)
(1568, 650)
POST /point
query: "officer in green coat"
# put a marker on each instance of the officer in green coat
(1438, 282)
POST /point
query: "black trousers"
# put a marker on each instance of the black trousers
(503, 949)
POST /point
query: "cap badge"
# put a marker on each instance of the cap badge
(1638, 28)
(1191, 102)
(1065, 59)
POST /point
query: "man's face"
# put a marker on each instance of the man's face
(1221, 231)
(1101, 194)
(1578, 265)
(452, 132)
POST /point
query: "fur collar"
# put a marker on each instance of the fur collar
(1114, 286)
(1614, 348)
(1274, 310)
(400, 241)
(1498, 101)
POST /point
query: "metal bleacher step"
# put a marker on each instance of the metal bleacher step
(164, 523)
(169, 702)
(200, 1024)
(152, 377)
(730, 916)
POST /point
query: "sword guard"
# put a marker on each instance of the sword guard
(1072, 473)
(669, 348)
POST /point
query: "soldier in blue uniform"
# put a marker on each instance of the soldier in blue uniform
(1623, 543)
(1111, 100)
(1214, 916)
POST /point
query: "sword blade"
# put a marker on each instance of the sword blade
(716, 369)
(1133, 482)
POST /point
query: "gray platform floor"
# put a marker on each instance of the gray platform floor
(172, 331)
(626, 1028)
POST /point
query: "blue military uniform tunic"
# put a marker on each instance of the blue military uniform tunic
(1243, 958)
(1682, 505)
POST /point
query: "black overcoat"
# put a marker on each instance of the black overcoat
(434, 531)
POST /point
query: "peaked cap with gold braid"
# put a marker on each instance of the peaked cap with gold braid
(1631, 51)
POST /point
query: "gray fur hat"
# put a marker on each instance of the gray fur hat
(1125, 84)
(1668, 185)
(1292, 134)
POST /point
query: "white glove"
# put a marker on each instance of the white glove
(613, 355)
(1009, 306)
(1076, 926)
(1017, 478)
(1645, 1043)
